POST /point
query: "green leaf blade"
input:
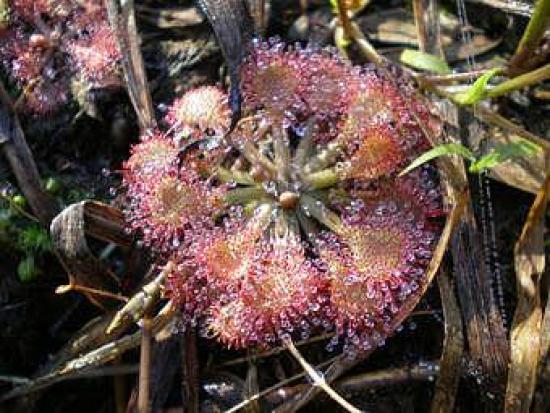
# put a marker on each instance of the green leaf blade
(441, 150)
(522, 148)
(478, 91)
(424, 61)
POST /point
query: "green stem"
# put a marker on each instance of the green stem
(281, 153)
(540, 21)
(519, 82)
(322, 179)
(324, 158)
(316, 209)
(304, 146)
(364, 45)
(344, 16)
(308, 226)
(244, 195)
(240, 177)
(254, 156)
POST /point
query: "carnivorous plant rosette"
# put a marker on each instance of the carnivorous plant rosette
(296, 222)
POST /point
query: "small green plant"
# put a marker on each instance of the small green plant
(500, 153)
(33, 241)
(22, 237)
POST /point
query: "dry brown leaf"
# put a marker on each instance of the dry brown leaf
(453, 347)
(527, 323)
(123, 21)
(69, 230)
(397, 26)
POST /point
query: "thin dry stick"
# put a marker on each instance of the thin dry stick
(388, 377)
(513, 7)
(190, 380)
(123, 21)
(251, 386)
(426, 17)
(14, 146)
(63, 289)
(271, 389)
(276, 350)
(344, 17)
(447, 383)
(426, 13)
(318, 380)
(450, 78)
(145, 365)
(364, 45)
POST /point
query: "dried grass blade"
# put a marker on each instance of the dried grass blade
(68, 231)
(233, 26)
(542, 397)
(14, 146)
(453, 347)
(123, 21)
(527, 323)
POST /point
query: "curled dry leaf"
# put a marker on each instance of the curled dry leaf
(69, 230)
(526, 326)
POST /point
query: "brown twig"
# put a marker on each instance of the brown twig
(449, 79)
(276, 350)
(277, 386)
(251, 384)
(446, 385)
(524, 58)
(190, 385)
(426, 17)
(94, 292)
(382, 378)
(14, 147)
(507, 6)
(145, 365)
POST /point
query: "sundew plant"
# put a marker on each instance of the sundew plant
(296, 221)
(47, 47)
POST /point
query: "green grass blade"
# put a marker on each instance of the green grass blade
(441, 150)
(505, 152)
(424, 61)
(478, 90)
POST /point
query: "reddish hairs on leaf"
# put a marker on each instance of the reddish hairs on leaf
(49, 44)
(296, 222)
(200, 110)
(273, 78)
